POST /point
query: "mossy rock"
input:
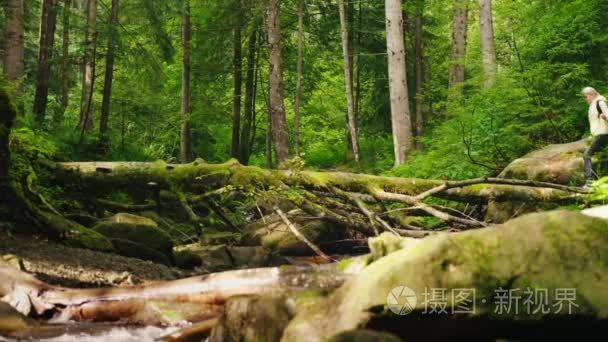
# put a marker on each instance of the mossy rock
(139, 251)
(89, 239)
(252, 318)
(214, 258)
(132, 219)
(147, 235)
(559, 163)
(552, 250)
(273, 234)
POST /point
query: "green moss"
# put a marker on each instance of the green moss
(90, 239)
(553, 250)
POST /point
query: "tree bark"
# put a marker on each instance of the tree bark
(419, 64)
(298, 103)
(400, 112)
(277, 107)
(65, 61)
(88, 76)
(206, 177)
(14, 39)
(238, 80)
(7, 117)
(45, 54)
(107, 85)
(250, 82)
(459, 42)
(186, 134)
(488, 50)
(348, 80)
(191, 299)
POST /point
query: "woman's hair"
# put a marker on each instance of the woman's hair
(589, 90)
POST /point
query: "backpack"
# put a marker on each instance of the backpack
(599, 108)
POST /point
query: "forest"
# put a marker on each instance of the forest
(303, 170)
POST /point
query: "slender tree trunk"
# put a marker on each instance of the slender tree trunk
(277, 108)
(459, 42)
(14, 40)
(298, 104)
(186, 133)
(245, 145)
(358, 66)
(348, 79)
(45, 53)
(65, 62)
(419, 61)
(107, 85)
(400, 109)
(238, 81)
(486, 29)
(88, 76)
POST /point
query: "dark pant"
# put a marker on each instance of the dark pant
(599, 142)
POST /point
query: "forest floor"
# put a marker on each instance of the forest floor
(75, 267)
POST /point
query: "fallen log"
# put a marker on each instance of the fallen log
(198, 177)
(312, 191)
(192, 299)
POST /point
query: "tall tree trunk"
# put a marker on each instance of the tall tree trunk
(45, 53)
(357, 63)
(400, 109)
(107, 84)
(298, 104)
(486, 29)
(186, 132)
(277, 108)
(459, 42)
(7, 116)
(14, 40)
(419, 61)
(245, 141)
(65, 62)
(348, 79)
(238, 81)
(88, 75)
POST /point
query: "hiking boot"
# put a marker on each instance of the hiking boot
(588, 187)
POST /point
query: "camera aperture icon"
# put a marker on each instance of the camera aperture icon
(401, 300)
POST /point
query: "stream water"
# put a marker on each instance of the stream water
(99, 333)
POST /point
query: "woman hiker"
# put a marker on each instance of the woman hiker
(598, 114)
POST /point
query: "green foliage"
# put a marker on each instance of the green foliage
(547, 51)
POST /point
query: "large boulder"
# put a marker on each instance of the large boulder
(273, 234)
(130, 233)
(563, 253)
(559, 163)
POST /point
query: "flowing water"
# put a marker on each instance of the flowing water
(99, 333)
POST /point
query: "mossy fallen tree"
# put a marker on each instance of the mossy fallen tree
(349, 199)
